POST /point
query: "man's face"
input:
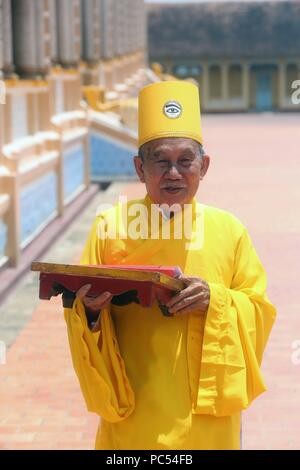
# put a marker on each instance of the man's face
(171, 169)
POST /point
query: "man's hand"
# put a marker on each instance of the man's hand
(195, 296)
(94, 305)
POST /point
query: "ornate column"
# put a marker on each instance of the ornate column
(53, 32)
(6, 38)
(107, 32)
(32, 37)
(107, 41)
(121, 27)
(205, 92)
(224, 84)
(1, 38)
(246, 85)
(90, 24)
(2, 84)
(282, 83)
(132, 29)
(68, 32)
(142, 27)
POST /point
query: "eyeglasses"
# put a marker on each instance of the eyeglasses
(183, 165)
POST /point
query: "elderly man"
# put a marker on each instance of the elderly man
(177, 382)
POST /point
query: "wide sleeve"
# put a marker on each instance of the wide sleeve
(238, 324)
(96, 356)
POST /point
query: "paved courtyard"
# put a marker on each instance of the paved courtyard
(254, 173)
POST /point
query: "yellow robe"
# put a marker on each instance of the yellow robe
(179, 382)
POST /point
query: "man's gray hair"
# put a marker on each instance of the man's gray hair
(142, 150)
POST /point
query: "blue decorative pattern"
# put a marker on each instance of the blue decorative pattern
(110, 160)
(38, 203)
(73, 170)
(3, 238)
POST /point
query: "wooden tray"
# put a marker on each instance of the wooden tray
(139, 284)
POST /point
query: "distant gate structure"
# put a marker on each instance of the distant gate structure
(245, 55)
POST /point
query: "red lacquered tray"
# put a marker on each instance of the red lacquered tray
(146, 282)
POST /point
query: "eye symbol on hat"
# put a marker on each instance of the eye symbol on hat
(172, 109)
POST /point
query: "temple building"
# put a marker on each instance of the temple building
(244, 55)
(70, 72)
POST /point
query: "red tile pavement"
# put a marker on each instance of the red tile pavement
(41, 407)
(254, 173)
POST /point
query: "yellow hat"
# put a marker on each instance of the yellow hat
(169, 109)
